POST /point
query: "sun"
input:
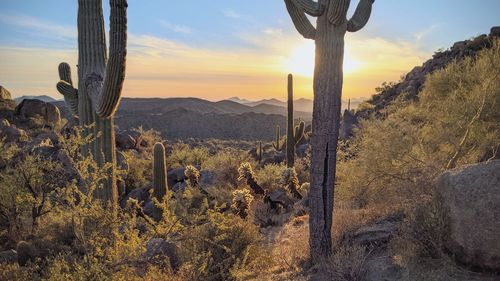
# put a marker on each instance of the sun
(301, 61)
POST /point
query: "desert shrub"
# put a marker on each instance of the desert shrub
(225, 247)
(270, 175)
(139, 171)
(396, 158)
(225, 166)
(183, 155)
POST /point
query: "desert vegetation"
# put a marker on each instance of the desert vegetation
(83, 200)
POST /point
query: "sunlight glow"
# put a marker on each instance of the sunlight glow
(301, 61)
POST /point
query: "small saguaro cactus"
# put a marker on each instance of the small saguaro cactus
(278, 145)
(331, 26)
(293, 133)
(100, 82)
(160, 186)
(259, 152)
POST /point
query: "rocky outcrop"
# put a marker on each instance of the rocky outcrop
(11, 133)
(7, 105)
(29, 108)
(413, 82)
(471, 196)
(159, 248)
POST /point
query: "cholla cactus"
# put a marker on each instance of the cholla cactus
(246, 173)
(242, 198)
(193, 176)
(289, 179)
(304, 188)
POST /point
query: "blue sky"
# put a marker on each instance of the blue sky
(215, 49)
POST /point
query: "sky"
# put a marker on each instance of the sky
(217, 49)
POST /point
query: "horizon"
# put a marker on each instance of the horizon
(246, 51)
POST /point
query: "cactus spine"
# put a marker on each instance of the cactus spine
(328, 34)
(100, 82)
(160, 186)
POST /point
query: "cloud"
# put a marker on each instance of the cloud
(176, 27)
(163, 67)
(39, 27)
(231, 14)
(424, 33)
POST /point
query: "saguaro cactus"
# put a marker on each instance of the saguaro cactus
(100, 82)
(331, 27)
(160, 186)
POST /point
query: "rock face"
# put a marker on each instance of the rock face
(29, 108)
(7, 105)
(413, 82)
(11, 133)
(471, 197)
(4, 94)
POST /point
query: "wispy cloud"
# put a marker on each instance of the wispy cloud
(424, 33)
(232, 14)
(38, 26)
(176, 27)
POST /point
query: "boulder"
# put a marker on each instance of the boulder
(11, 133)
(495, 31)
(471, 199)
(33, 108)
(140, 194)
(9, 256)
(4, 94)
(159, 248)
(175, 175)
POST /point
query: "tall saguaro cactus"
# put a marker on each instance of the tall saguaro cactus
(290, 141)
(160, 186)
(331, 27)
(100, 82)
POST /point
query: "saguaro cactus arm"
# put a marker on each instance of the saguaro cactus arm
(115, 70)
(337, 11)
(361, 16)
(65, 87)
(312, 8)
(300, 20)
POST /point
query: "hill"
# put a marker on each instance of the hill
(44, 98)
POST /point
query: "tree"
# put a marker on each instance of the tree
(328, 35)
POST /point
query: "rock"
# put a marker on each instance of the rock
(140, 194)
(495, 31)
(279, 197)
(207, 178)
(179, 186)
(11, 133)
(175, 175)
(471, 200)
(124, 141)
(32, 108)
(8, 256)
(157, 247)
(377, 234)
(4, 94)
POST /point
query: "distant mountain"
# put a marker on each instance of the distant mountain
(178, 118)
(44, 98)
(238, 100)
